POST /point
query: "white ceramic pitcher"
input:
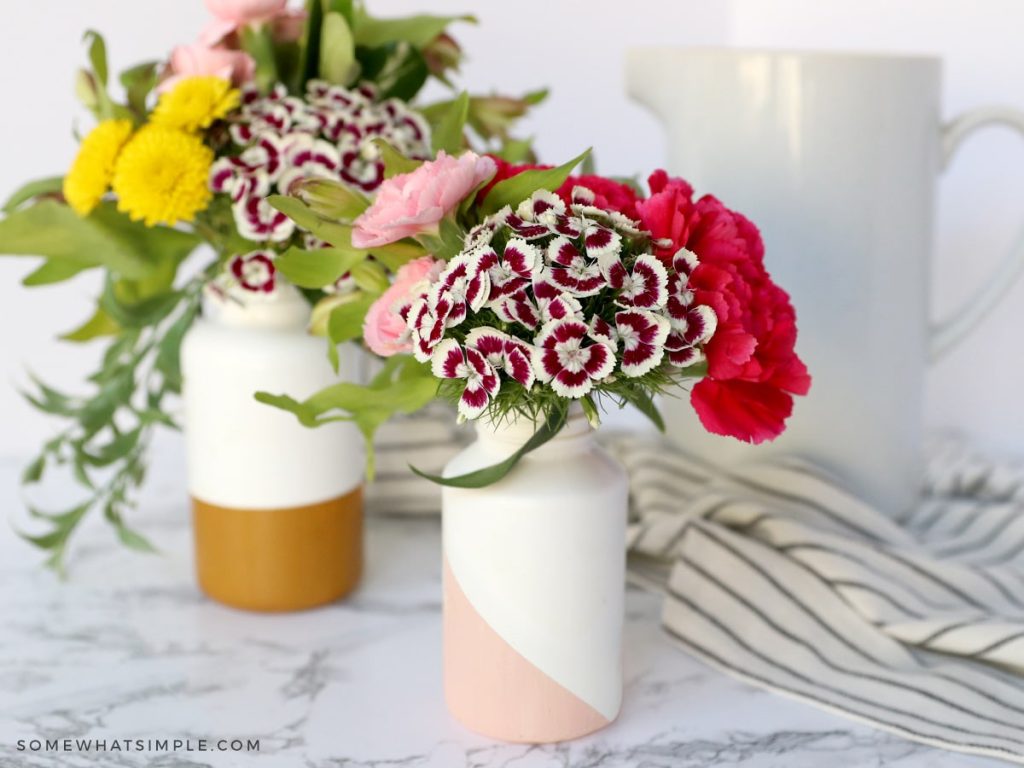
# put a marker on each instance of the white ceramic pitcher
(835, 158)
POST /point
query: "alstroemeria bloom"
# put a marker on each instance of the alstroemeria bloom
(569, 359)
(254, 271)
(413, 203)
(452, 361)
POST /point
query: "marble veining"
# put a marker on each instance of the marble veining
(127, 648)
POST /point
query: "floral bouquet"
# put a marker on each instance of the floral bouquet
(536, 290)
(269, 102)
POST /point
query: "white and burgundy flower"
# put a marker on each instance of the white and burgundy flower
(504, 353)
(466, 283)
(572, 271)
(569, 359)
(549, 302)
(428, 319)
(643, 335)
(257, 220)
(601, 242)
(513, 270)
(645, 287)
(451, 361)
(254, 271)
(692, 328)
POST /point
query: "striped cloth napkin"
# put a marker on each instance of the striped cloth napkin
(779, 577)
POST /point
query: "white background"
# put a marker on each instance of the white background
(576, 49)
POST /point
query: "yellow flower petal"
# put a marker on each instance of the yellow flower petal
(93, 169)
(161, 176)
(195, 102)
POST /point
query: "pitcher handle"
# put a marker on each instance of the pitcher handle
(951, 330)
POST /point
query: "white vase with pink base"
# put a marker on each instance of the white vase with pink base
(534, 580)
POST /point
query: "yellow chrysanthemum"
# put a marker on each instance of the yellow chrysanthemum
(195, 103)
(91, 172)
(161, 176)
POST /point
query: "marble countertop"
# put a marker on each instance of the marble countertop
(127, 648)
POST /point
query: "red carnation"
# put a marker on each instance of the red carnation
(753, 370)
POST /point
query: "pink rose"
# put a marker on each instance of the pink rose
(384, 329)
(412, 203)
(198, 59)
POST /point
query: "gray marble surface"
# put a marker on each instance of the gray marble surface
(127, 648)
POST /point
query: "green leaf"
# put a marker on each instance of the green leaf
(415, 30)
(489, 475)
(397, 69)
(516, 151)
(105, 238)
(371, 277)
(346, 321)
(168, 356)
(49, 186)
(147, 312)
(309, 46)
(138, 83)
(395, 162)
(119, 447)
(258, 43)
(643, 402)
(337, 50)
(100, 324)
(52, 271)
(449, 240)
(393, 256)
(319, 267)
(34, 471)
(518, 188)
(404, 386)
(338, 235)
(447, 133)
(97, 55)
(51, 401)
(331, 199)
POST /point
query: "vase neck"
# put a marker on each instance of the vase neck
(282, 310)
(513, 432)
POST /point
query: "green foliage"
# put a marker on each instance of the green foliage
(48, 187)
(258, 43)
(480, 478)
(106, 238)
(403, 386)
(100, 324)
(318, 267)
(105, 442)
(395, 163)
(448, 131)
(331, 199)
(138, 82)
(346, 320)
(414, 30)
(516, 189)
(93, 89)
(337, 50)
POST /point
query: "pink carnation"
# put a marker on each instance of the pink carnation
(198, 59)
(413, 203)
(385, 329)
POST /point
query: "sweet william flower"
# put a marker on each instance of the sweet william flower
(451, 361)
(385, 329)
(571, 360)
(254, 271)
(414, 203)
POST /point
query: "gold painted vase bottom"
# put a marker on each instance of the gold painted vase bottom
(284, 559)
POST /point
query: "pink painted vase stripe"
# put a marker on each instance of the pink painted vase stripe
(492, 689)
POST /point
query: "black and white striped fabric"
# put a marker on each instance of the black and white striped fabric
(779, 577)
(426, 439)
